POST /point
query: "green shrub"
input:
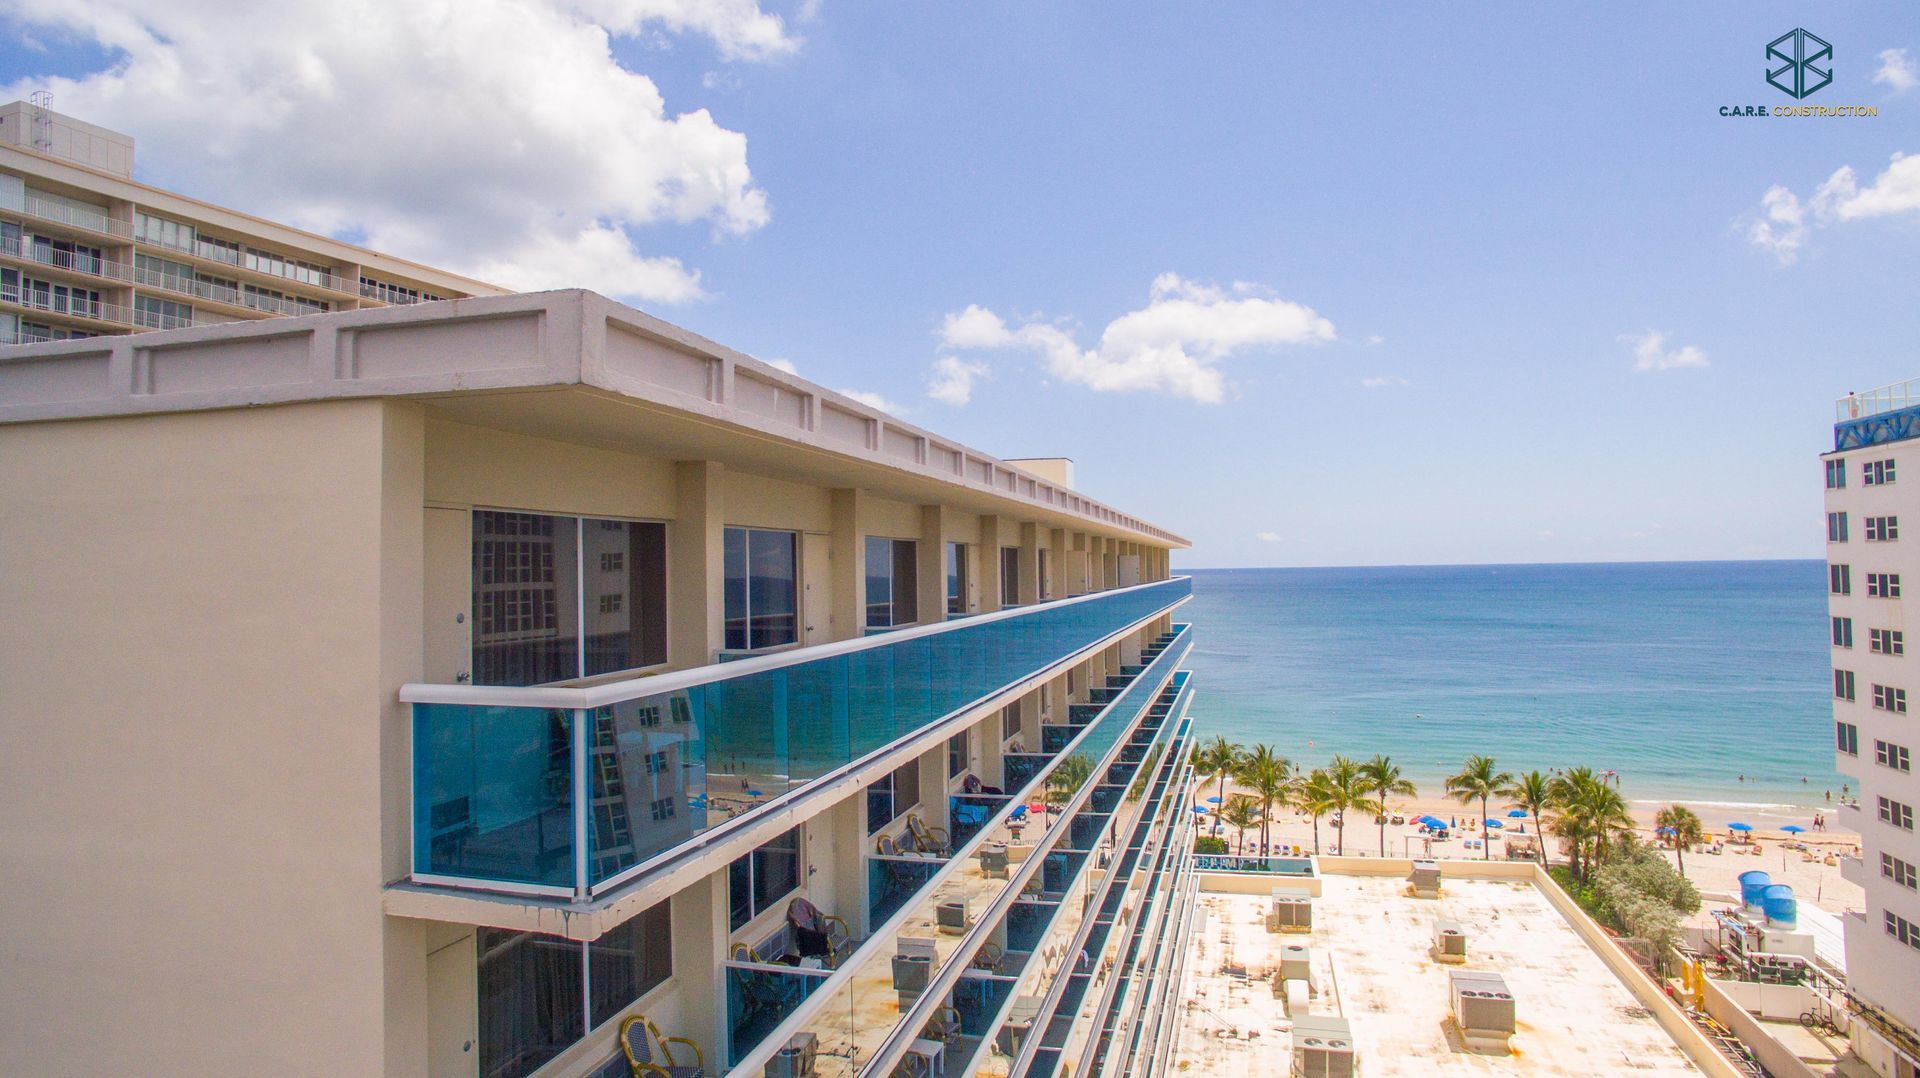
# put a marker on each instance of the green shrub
(1209, 844)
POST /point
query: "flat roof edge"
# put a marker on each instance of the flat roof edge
(489, 343)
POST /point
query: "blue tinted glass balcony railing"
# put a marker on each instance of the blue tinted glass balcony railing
(496, 797)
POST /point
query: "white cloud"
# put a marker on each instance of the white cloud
(1781, 227)
(1650, 352)
(1172, 345)
(1271, 537)
(1383, 381)
(874, 400)
(952, 378)
(783, 365)
(1897, 70)
(499, 138)
(1785, 220)
(1376, 339)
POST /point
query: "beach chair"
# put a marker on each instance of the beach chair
(637, 1037)
(926, 839)
(818, 934)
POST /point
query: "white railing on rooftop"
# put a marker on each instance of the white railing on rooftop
(1893, 398)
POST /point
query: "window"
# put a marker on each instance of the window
(1887, 641)
(1846, 738)
(527, 567)
(1009, 721)
(892, 582)
(1837, 527)
(1840, 579)
(1836, 474)
(1883, 585)
(282, 266)
(1887, 754)
(956, 578)
(162, 233)
(959, 756)
(218, 250)
(1876, 473)
(1897, 813)
(762, 605)
(1901, 872)
(893, 795)
(762, 878)
(1890, 699)
(1902, 929)
(1879, 529)
(1843, 684)
(1843, 633)
(156, 313)
(539, 994)
(374, 288)
(1046, 577)
(1009, 576)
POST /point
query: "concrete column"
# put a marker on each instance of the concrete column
(847, 543)
(837, 863)
(696, 560)
(1031, 541)
(1061, 546)
(933, 564)
(994, 530)
(699, 946)
(1079, 578)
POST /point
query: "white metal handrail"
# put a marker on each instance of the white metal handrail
(1891, 398)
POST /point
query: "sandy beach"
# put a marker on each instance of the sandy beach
(1812, 879)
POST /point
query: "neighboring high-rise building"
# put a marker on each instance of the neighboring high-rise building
(441, 690)
(86, 250)
(1869, 568)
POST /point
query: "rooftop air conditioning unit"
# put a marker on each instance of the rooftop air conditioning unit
(1291, 911)
(1483, 1007)
(1426, 879)
(796, 1060)
(1449, 941)
(1296, 963)
(951, 917)
(1322, 1047)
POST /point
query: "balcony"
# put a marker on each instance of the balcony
(1887, 414)
(572, 791)
(73, 217)
(94, 311)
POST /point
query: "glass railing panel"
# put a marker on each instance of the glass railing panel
(493, 794)
(760, 996)
(968, 814)
(893, 881)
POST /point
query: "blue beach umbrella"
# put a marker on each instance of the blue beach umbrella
(1663, 830)
(1793, 829)
(1516, 814)
(1199, 810)
(756, 793)
(1213, 800)
(1495, 824)
(1739, 827)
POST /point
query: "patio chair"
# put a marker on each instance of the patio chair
(818, 934)
(967, 814)
(885, 846)
(988, 957)
(926, 839)
(765, 990)
(943, 1027)
(637, 1037)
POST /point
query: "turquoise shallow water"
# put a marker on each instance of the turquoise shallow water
(1682, 676)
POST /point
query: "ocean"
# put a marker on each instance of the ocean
(1708, 681)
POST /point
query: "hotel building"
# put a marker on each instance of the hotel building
(1874, 733)
(446, 688)
(85, 250)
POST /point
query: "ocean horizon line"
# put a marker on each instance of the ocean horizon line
(1502, 564)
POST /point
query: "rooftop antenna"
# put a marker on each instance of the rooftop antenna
(42, 102)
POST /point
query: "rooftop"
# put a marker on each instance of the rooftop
(1371, 965)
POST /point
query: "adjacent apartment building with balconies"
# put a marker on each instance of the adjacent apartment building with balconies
(1870, 568)
(468, 688)
(86, 250)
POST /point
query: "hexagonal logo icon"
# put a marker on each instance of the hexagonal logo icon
(1798, 52)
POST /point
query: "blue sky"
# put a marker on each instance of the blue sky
(1413, 253)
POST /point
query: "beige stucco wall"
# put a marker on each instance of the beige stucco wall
(191, 758)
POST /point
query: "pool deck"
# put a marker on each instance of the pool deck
(1371, 965)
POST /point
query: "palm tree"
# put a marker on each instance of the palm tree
(1479, 780)
(1268, 775)
(1533, 792)
(1348, 791)
(1684, 827)
(1217, 759)
(1313, 795)
(1241, 812)
(1383, 779)
(1068, 776)
(1591, 815)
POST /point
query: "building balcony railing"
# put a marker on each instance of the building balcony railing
(77, 307)
(1893, 398)
(75, 217)
(571, 791)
